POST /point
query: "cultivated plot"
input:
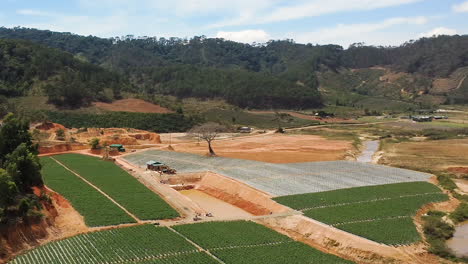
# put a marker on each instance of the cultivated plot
(121, 186)
(140, 244)
(232, 242)
(284, 179)
(96, 209)
(247, 242)
(380, 213)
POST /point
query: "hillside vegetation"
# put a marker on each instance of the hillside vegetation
(27, 68)
(277, 74)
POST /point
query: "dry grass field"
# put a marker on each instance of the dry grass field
(436, 155)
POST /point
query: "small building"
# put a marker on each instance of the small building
(440, 117)
(245, 130)
(118, 147)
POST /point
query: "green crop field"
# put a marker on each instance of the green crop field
(119, 185)
(140, 244)
(224, 234)
(357, 194)
(96, 209)
(248, 242)
(381, 213)
(291, 253)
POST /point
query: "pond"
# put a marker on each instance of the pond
(459, 243)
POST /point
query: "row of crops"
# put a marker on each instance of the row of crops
(121, 186)
(124, 245)
(96, 209)
(231, 242)
(284, 179)
(247, 242)
(380, 213)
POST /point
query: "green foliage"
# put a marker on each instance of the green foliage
(398, 231)
(96, 209)
(248, 242)
(24, 167)
(138, 244)
(369, 210)
(380, 213)
(65, 80)
(60, 134)
(162, 123)
(293, 253)
(121, 186)
(212, 235)
(238, 87)
(357, 194)
(263, 121)
(13, 132)
(460, 214)
(94, 143)
(8, 189)
(446, 181)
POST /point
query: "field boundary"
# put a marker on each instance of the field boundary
(367, 201)
(99, 190)
(372, 220)
(196, 245)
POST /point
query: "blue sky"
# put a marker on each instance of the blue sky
(376, 22)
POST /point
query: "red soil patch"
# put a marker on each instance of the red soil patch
(274, 148)
(50, 126)
(458, 170)
(132, 105)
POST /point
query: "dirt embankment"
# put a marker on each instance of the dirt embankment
(233, 192)
(64, 147)
(60, 220)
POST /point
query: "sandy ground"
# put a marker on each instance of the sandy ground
(274, 148)
(132, 105)
(217, 207)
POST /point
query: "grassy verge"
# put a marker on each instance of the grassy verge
(120, 185)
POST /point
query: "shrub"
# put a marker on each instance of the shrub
(460, 214)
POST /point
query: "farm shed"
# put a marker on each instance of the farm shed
(119, 147)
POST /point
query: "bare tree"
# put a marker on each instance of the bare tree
(208, 132)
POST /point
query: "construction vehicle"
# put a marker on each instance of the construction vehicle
(160, 167)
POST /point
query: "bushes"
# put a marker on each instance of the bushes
(460, 214)
(162, 123)
(446, 182)
(437, 232)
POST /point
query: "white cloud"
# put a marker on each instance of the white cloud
(439, 31)
(31, 12)
(461, 8)
(308, 9)
(245, 36)
(351, 33)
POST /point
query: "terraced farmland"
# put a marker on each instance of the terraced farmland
(119, 185)
(96, 209)
(232, 242)
(247, 242)
(284, 179)
(380, 213)
(140, 244)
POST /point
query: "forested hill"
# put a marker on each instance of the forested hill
(27, 68)
(280, 74)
